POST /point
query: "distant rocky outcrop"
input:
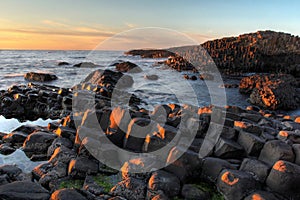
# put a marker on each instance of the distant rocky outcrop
(40, 77)
(127, 67)
(86, 65)
(150, 53)
(272, 91)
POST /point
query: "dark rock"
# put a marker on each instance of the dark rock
(228, 149)
(276, 150)
(23, 190)
(62, 154)
(190, 192)
(234, 184)
(251, 143)
(38, 143)
(67, 194)
(258, 168)
(11, 171)
(6, 149)
(63, 63)
(284, 179)
(90, 186)
(229, 86)
(263, 195)
(40, 77)
(160, 197)
(248, 127)
(4, 179)
(206, 76)
(86, 65)
(179, 63)
(271, 91)
(58, 142)
(151, 77)
(151, 53)
(186, 167)
(81, 166)
(130, 188)
(161, 180)
(212, 167)
(127, 67)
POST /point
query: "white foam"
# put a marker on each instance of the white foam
(8, 125)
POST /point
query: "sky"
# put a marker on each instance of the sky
(117, 24)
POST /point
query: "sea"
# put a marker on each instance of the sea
(170, 87)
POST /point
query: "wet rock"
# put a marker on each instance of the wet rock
(151, 77)
(258, 168)
(127, 67)
(11, 171)
(67, 194)
(130, 188)
(234, 184)
(4, 179)
(63, 63)
(62, 154)
(164, 181)
(284, 179)
(38, 143)
(190, 192)
(251, 143)
(229, 86)
(6, 149)
(81, 166)
(212, 167)
(276, 150)
(58, 142)
(151, 53)
(179, 63)
(206, 76)
(23, 190)
(40, 77)
(86, 65)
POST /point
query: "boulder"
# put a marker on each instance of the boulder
(191, 192)
(23, 190)
(271, 91)
(276, 150)
(263, 195)
(151, 77)
(86, 65)
(82, 166)
(6, 149)
(234, 184)
(63, 63)
(127, 67)
(256, 167)
(67, 194)
(130, 188)
(38, 143)
(284, 179)
(164, 181)
(226, 148)
(212, 167)
(40, 77)
(251, 143)
(150, 53)
(11, 171)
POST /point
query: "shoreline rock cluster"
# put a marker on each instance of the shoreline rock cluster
(256, 155)
(272, 91)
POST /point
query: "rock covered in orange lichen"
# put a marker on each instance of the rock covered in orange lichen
(271, 91)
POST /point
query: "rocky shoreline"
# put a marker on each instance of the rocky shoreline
(256, 155)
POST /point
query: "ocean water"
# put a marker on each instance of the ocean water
(171, 87)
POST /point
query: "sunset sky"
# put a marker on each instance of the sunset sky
(74, 24)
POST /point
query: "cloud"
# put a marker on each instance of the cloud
(78, 32)
(130, 25)
(54, 23)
